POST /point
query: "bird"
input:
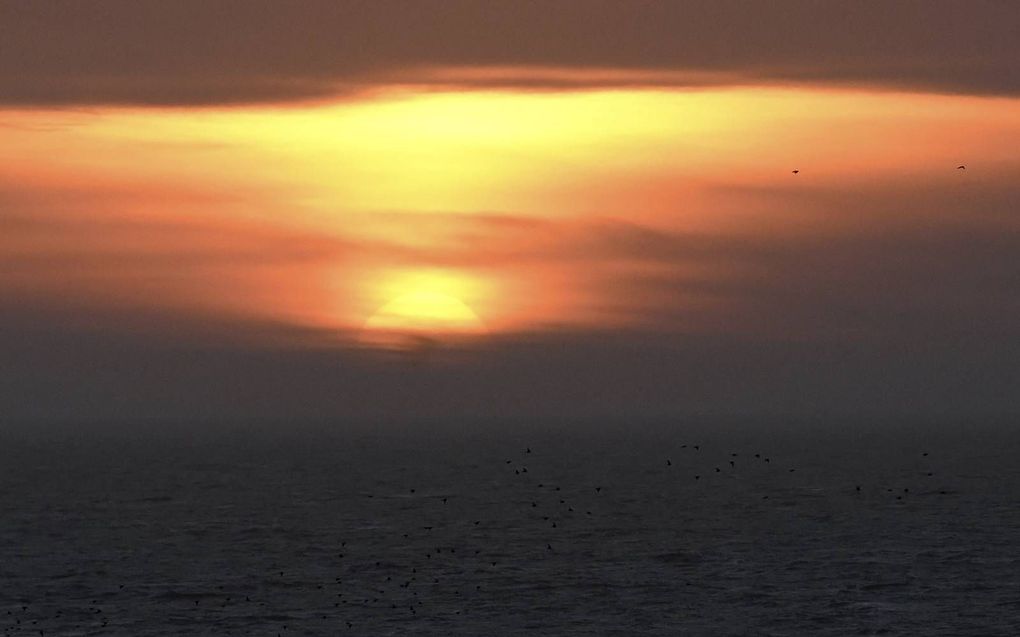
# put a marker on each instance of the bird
(795, 171)
(961, 167)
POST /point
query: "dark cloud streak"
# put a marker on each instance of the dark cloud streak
(201, 52)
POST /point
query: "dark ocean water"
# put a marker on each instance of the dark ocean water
(606, 532)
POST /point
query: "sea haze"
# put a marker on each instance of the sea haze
(599, 529)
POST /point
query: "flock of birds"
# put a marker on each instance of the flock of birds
(443, 556)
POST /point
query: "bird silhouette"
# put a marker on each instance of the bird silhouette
(961, 167)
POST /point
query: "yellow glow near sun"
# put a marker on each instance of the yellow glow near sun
(651, 155)
(452, 152)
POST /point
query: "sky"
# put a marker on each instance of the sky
(368, 211)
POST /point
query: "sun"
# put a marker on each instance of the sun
(421, 310)
(424, 311)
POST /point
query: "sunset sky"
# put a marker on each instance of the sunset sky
(372, 210)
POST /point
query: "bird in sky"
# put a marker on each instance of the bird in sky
(795, 171)
(961, 167)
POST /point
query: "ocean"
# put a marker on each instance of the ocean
(671, 528)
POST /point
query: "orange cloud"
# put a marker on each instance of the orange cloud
(652, 209)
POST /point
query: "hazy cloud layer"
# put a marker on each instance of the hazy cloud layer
(910, 313)
(107, 375)
(222, 52)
